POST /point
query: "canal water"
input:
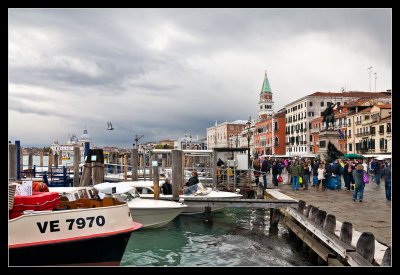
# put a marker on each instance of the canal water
(237, 237)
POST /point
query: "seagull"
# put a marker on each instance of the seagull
(109, 126)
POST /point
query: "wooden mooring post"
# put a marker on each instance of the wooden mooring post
(77, 156)
(41, 158)
(177, 173)
(156, 182)
(317, 224)
(12, 161)
(30, 159)
(134, 164)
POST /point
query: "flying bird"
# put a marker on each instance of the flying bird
(109, 126)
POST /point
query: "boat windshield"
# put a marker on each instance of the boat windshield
(197, 188)
(128, 196)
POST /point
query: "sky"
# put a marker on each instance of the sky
(162, 73)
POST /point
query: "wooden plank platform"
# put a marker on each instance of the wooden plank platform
(245, 203)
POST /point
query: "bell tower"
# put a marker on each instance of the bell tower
(266, 104)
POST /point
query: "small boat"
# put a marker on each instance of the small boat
(145, 189)
(150, 213)
(47, 230)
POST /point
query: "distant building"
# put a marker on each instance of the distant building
(301, 112)
(67, 150)
(189, 143)
(226, 134)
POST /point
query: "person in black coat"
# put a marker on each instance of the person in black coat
(167, 187)
(193, 179)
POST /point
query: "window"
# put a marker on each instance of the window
(350, 147)
(322, 144)
(309, 125)
(310, 137)
(381, 129)
(372, 130)
(372, 144)
(349, 136)
(366, 117)
(349, 122)
(310, 104)
(322, 104)
(305, 104)
(388, 128)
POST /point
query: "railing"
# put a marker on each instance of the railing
(365, 133)
(358, 122)
(373, 134)
(381, 133)
(359, 134)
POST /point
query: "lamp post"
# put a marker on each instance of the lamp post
(248, 124)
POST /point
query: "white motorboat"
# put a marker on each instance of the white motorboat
(150, 213)
(45, 230)
(145, 189)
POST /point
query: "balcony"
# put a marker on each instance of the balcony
(359, 134)
(358, 122)
(381, 133)
(314, 130)
(365, 134)
(383, 150)
(373, 134)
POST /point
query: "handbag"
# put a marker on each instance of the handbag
(280, 179)
(365, 177)
(300, 179)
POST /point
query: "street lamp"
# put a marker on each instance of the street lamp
(248, 124)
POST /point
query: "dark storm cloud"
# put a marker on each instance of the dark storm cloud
(166, 72)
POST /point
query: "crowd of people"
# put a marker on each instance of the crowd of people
(323, 175)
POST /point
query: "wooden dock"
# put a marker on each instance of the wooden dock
(336, 243)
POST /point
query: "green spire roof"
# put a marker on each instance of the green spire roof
(266, 88)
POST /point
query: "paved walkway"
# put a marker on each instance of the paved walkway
(374, 214)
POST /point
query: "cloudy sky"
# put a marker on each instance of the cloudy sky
(163, 73)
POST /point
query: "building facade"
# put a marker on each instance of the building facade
(300, 113)
(227, 134)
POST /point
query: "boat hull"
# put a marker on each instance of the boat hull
(85, 236)
(99, 250)
(153, 218)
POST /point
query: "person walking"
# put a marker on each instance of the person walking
(265, 169)
(295, 172)
(358, 175)
(387, 175)
(321, 177)
(306, 176)
(377, 173)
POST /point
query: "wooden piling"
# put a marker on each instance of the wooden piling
(134, 164)
(307, 212)
(276, 214)
(214, 168)
(346, 232)
(21, 159)
(56, 159)
(125, 166)
(387, 257)
(177, 173)
(151, 158)
(207, 216)
(60, 158)
(300, 206)
(30, 160)
(41, 158)
(12, 161)
(77, 155)
(86, 174)
(366, 246)
(97, 166)
(330, 223)
(156, 182)
(320, 218)
(313, 213)
(114, 162)
(50, 160)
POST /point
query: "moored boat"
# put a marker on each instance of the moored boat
(82, 232)
(145, 189)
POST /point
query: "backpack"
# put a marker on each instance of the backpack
(365, 178)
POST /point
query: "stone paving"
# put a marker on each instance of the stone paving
(374, 214)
